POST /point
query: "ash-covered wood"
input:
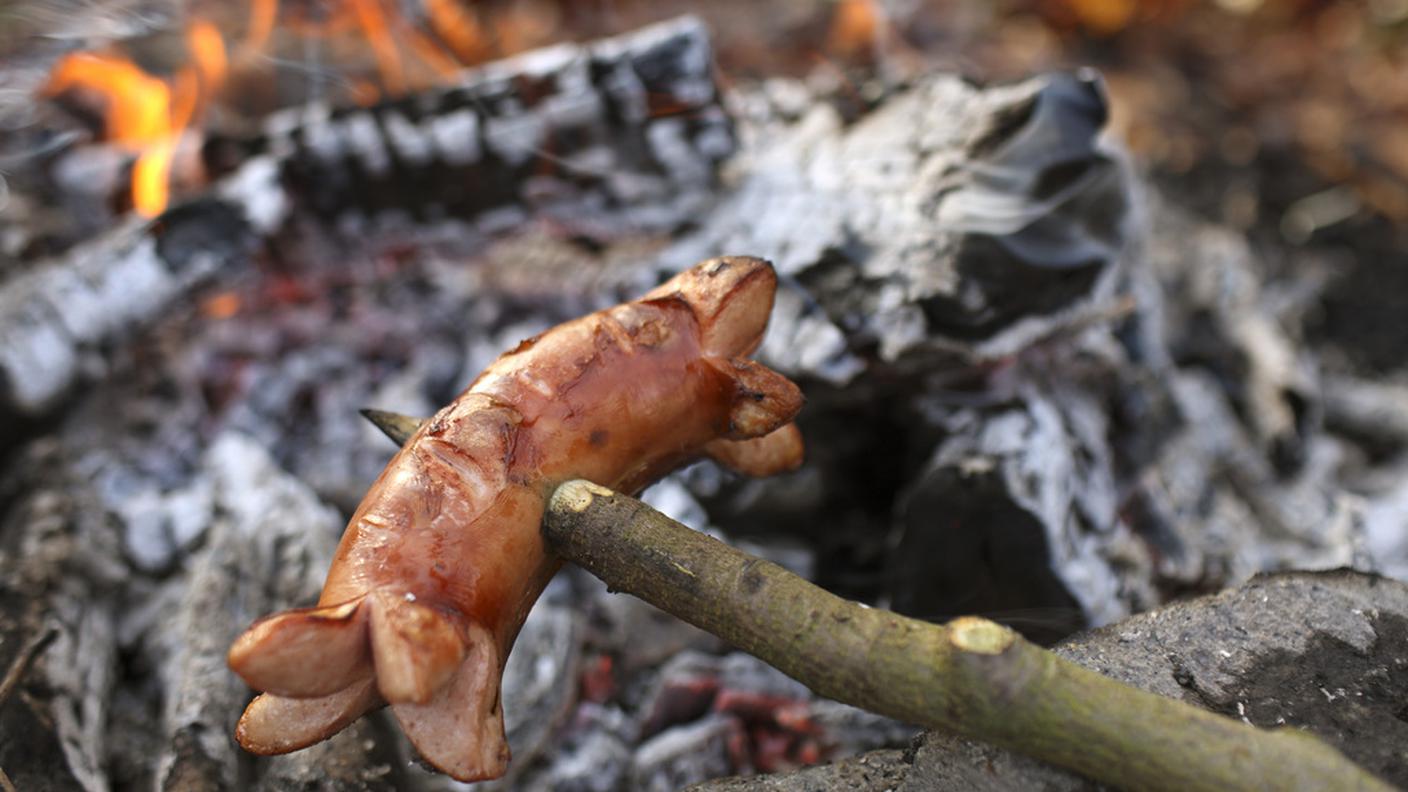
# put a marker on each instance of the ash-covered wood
(952, 262)
(620, 134)
(60, 321)
(256, 534)
(949, 219)
(1155, 431)
(1016, 509)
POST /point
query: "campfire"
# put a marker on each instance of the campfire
(148, 115)
(1047, 381)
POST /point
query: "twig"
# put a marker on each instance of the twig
(18, 667)
(20, 664)
(969, 677)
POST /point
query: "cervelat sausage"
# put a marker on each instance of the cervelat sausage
(444, 558)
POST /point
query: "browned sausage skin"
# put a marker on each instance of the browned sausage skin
(444, 558)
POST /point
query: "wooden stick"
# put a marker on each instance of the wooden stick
(18, 667)
(20, 664)
(970, 677)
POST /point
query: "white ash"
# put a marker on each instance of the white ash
(456, 137)
(685, 755)
(673, 499)
(819, 197)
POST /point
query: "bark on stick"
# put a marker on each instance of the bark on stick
(971, 677)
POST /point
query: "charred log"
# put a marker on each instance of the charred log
(1157, 432)
(624, 133)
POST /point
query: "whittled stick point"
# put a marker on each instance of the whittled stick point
(970, 677)
(400, 428)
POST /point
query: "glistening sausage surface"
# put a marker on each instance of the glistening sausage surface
(443, 559)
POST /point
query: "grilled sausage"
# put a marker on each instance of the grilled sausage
(444, 557)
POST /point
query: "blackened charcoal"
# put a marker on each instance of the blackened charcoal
(619, 135)
(205, 236)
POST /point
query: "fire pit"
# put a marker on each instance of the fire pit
(1040, 387)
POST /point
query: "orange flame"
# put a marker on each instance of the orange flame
(406, 56)
(146, 114)
(378, 32)
(208, 51)
(262, 14)
(389, 33)
(855, 28)
(458, 27)
(136, 102)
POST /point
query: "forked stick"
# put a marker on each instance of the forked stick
(970, 677)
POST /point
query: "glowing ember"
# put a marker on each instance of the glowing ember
(855, 28)
(221, 306)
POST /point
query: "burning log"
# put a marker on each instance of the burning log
(143, 114)
(623, 134)
(970, 676)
